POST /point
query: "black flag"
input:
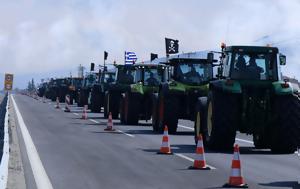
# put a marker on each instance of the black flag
(105, 55)
(172, 46)
(153, 56)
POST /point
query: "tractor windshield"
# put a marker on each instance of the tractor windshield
(192, 73)
(125, 75)
(90, 80)
(109, 77)
(153, 76)
(253, 66)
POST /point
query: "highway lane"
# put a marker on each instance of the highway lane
(79, 154)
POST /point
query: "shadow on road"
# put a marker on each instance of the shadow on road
(142, 132)
(290, 184)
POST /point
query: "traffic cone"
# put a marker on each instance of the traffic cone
(199, 162)
(236, 179)
(67, 108)
(165, 145)
(84, 113)
(109, 123)
(57, 103)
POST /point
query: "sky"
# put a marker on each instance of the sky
(50, 38)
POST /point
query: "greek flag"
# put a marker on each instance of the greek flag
(130, 57)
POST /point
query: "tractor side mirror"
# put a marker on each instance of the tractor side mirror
(282, 59)
(210, 57)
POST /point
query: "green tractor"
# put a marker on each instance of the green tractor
(136, 103)
(100, 87)
(249, 96)
(83, 96)
(124, 78)
(177, 97)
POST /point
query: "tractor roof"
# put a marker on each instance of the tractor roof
(150, 65)
(252, 49)
(188, 60)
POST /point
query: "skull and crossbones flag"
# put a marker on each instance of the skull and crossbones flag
(172, 46)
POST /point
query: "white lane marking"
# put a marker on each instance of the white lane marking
(76, 114)
(191, 160)
(41, 178)
(92, 120)
(246, 141)
(185, 127)
(130, 135)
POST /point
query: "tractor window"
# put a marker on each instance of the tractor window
(138, 75)
(153, 76)
(251, 66)
(126, 76)
(109, 78)
(194, 73)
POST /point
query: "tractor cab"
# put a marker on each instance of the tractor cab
(151, 74)
(191, 71)
(125, 74)
(252, 63)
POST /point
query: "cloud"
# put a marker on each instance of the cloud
(50, 37)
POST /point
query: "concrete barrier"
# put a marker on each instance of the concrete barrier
(5, 141)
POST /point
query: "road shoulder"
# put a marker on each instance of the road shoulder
(16, 178)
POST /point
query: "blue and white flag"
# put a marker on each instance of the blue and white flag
(130, 57)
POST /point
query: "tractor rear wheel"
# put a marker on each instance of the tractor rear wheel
(219, 121)
(286, 134)
(170, 113)
(155, 113)
(130, 108)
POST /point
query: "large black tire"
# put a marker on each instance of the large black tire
(261, 141)
(169, 105)
(130, 109)
(286, 131)
(155, 113)
(106, 109)
(220, 119)
(112, 103)
(95, 102)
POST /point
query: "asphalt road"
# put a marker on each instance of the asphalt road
(79, 154)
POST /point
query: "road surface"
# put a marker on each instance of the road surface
(79, 154)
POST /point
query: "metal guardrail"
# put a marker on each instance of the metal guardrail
(5, 141)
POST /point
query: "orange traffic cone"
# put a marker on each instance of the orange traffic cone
(236, 179)
(67, 99)
(84, 113)
(165, 146)
(109, 123)
(57, 103)
(199, 162)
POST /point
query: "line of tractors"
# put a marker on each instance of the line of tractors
(241, 91)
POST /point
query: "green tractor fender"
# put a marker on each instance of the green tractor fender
(137, 88)
(230, 86)
(285, 88)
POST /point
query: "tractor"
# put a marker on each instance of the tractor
(100, 87)
(176, 99)
(136, 103)
(250, 96)
(124, 78)
(83, 94)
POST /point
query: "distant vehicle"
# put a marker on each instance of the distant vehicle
(99, 88)
(74, 86)
(124, 78)
(83, 93)
(177, 98)
(250, 96)
(136, 102)
(41, 90)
